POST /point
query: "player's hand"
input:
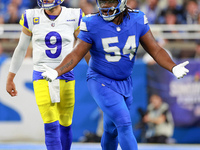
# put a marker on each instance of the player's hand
(179, 70)
(50, 74)
(10, 88)
(10, 85)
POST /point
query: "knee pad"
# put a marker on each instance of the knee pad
(48, 113)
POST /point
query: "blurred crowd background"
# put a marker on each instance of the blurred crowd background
(157, 11)
(162, 12)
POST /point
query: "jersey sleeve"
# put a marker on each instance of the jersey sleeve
(82, 14)
(85, 34)
(25, 20)
(143, 24)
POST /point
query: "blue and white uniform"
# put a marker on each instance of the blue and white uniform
(113, 52)
(52, 40)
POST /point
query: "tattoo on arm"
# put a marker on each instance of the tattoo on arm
(67, 65)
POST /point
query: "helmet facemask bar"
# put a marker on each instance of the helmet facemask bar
(116, 10)
(49, 6)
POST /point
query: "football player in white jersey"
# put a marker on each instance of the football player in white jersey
(52, 29)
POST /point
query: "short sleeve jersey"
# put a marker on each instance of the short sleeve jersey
(114, 46)
(52, 40)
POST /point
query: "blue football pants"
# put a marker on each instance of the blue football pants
(117, 120)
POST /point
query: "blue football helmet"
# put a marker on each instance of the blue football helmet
(42, 4)
(116, 10)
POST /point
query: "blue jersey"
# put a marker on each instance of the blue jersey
(113, 46)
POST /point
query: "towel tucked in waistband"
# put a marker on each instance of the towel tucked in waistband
(54, 91)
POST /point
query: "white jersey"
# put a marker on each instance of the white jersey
(52, 40)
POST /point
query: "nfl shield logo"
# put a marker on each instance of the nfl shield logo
(53, 24)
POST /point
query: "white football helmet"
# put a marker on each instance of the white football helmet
(117, 10)
(45, 5)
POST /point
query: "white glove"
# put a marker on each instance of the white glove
(179, 70)
(50, 74)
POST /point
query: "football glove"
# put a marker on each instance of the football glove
(50, 74)
(179, 70)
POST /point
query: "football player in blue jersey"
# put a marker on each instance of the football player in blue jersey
(53, 30)
(112, 36)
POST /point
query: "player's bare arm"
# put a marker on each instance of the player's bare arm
(161, 56)
(73, 58)
(87, 56)
(158, 53)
